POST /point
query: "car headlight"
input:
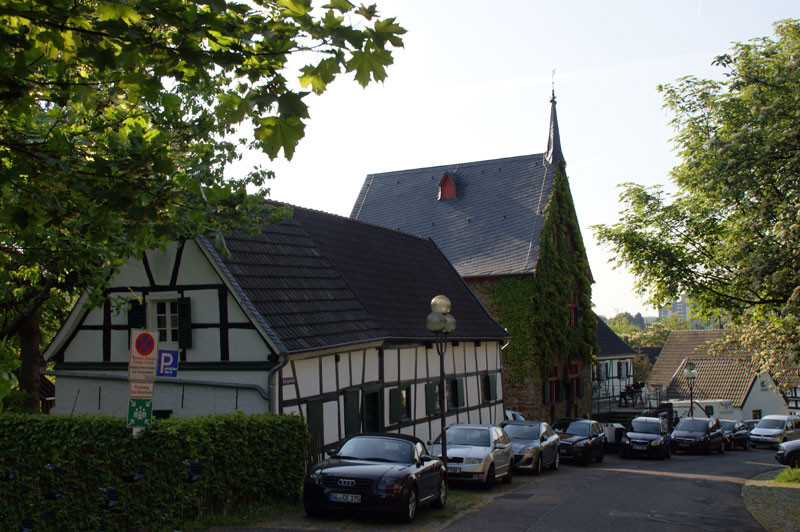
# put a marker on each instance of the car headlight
(391, 485)
(527, 450)
(468, 461)
(316, 477)
(659, 441)
(625, 440)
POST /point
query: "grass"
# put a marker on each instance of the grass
(789, 475)
(246, 516)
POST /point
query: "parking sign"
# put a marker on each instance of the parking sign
(167, 363)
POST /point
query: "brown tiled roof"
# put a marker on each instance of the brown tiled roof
(721, 377)
(681, 345)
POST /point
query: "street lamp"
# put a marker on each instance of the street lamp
(441, 323)
(691, 374)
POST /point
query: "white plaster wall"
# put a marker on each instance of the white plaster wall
(308, 376)
(94, 317)
(205, 346)
(246, 345)
(235, 312)
(120, 346)
(86, 346)
(357, 361)
(471, 363)
(408, 363)
(344, 370)
(458, 355)
(330, 415)
(433, 363)
(288, 390)
(390, 365)
(131, 274)
(328, 374)
(204, 306)
(161, 263)
(764, 398)
(371, 364)
(195, 268)
(483, 360)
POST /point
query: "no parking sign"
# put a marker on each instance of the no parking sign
(144, 355)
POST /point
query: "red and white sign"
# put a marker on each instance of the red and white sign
(144, 355)
(141, 390)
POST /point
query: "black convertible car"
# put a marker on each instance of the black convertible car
(378, 473)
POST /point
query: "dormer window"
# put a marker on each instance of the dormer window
(447, 187)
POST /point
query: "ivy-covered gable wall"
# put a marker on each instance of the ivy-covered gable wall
(536, 310)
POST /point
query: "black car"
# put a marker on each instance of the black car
(735, 434)
(789, 453)
(698, 434)
(378, 473)
(646, 436)
(580, 440)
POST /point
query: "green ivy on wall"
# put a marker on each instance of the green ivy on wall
(535, 308)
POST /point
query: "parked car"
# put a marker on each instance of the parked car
(775, 429)
(735, 434)
(750, 423)
(377, 473)
(535, 445)
(477, 453)
(698, 434)
(789, 453)
(513, 414)
(646, 436)
(580, 440)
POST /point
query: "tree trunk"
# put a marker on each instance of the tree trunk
(30, 336)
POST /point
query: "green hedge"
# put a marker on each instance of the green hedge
(244, 459)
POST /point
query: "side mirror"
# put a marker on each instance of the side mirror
(426, 458)
(332, 452)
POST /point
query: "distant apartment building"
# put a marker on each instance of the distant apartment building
(679, 307)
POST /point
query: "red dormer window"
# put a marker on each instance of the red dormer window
(447, 187)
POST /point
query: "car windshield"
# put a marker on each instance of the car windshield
(377, 449)
(771, 424)
(572, 427)
(728, 425)
(647, 427)
(692, 425)
(522, 432)
(477, 437)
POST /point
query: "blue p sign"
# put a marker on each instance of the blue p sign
(167, 363)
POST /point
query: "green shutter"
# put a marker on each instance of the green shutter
(431, 398)
(461, 393)
(136, 315)
(580, 386)
(546, 392)
(395, 405)
(184, 323)
(315, 420)
(352, 421)
(492, 387)
(560, 391)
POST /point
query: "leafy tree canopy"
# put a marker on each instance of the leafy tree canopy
(730, 236)
(117, 119)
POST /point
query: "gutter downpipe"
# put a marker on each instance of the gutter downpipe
(270, 373)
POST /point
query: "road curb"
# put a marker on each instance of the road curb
(773, 505)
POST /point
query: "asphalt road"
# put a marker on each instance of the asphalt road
(696, 492)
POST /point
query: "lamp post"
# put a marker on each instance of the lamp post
(691, 374)
(441, 323)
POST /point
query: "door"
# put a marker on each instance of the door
(428, 474)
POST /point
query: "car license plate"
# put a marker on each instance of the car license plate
(346, 497)
(640, 447)
(562, 451)
(683, 444)
(453, 469)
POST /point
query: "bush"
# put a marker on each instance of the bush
(790, 474)
(244, 459)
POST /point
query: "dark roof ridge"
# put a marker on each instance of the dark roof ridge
(454, 165)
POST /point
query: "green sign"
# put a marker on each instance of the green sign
(140, 412)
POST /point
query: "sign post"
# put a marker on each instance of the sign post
(142, 366)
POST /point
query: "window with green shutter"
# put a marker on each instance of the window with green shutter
(488, 387)
(136, 315)
(455, 393)
(432, 398)
(315, 421)
(184, 323)
(546, 392)
(399, 404)
(352, 419)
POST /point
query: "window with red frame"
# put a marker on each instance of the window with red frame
(573, 309)
(574, 379)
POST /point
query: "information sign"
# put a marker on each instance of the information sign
(141, 390)
(140, 413)
(167, 363)
(143, 355)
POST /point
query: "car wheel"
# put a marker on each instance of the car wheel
(721, 449)
(538, 469)
(556, 462)
(667, 452)
(409, 508)
(507, 478)
(794, 460)
(600, 457)
(489, 482)
(312, 510)
(441, 496)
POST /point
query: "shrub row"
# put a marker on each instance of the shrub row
(60, 466)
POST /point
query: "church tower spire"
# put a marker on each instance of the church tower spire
(553, 154)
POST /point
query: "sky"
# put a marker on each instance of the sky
(473, 82)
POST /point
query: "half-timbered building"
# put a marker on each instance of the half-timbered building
(320, 316)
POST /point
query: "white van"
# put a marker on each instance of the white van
(774, 430)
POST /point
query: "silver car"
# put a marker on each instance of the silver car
(477, 453)
(774, 430)
(535, 445)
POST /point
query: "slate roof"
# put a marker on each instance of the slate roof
(720, 377)
(491, 228)
(611, 345)
(318, 281)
